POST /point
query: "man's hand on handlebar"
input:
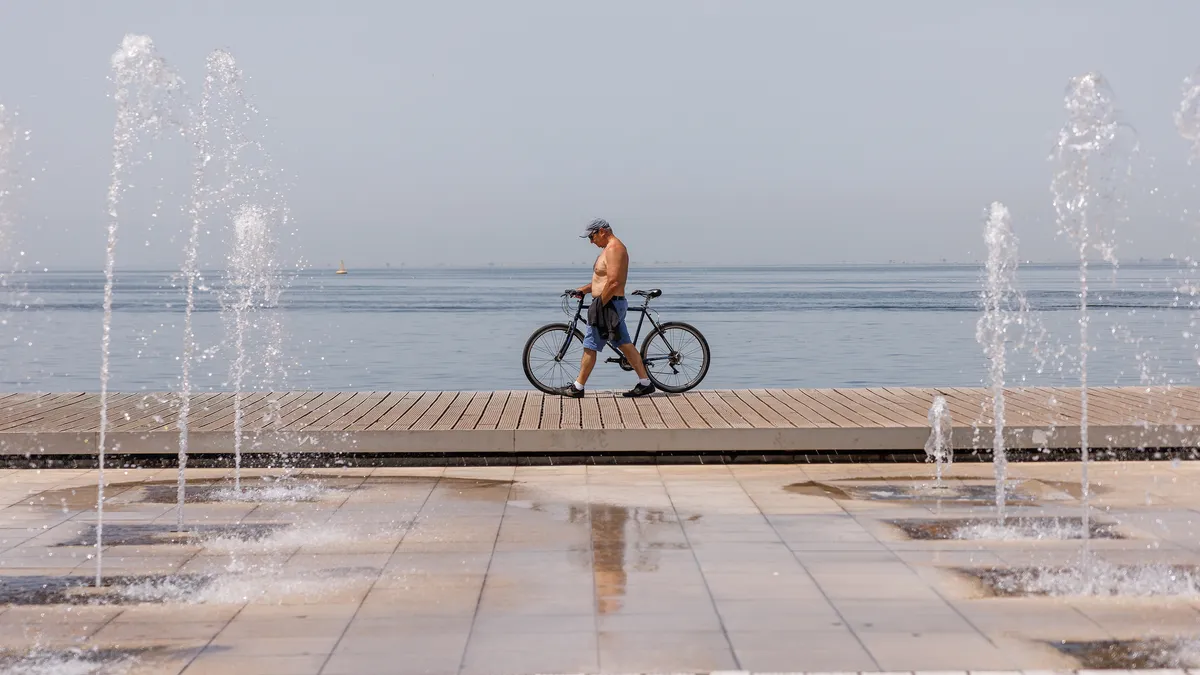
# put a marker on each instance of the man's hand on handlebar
(573, 292)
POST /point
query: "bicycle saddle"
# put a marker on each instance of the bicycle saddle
(652, 293)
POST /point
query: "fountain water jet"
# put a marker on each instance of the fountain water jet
(245, 191)
(940, 446)
(252, 287)
(1003, 306)
(8, 145)
(146, 97)
(1092, 156)
(1187, 118)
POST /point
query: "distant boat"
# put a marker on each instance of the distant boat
(341, 267)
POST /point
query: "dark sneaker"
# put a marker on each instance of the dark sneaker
(569, 390)
(640, 390)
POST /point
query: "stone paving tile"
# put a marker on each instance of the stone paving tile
(599, 569)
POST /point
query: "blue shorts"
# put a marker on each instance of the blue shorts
(594, 342)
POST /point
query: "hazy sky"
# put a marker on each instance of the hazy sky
(705, 131)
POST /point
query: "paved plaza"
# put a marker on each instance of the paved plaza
(575, 569)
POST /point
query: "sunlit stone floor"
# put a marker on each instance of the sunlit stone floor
(584, 569)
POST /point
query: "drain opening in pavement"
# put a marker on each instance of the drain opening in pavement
(1098, 578)
(1010, 529)
(1134, 654)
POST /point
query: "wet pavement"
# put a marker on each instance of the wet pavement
(589, 569)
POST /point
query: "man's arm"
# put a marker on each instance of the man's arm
(585, 289)
(618, 267)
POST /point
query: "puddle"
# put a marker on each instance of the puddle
(922, 489)
(69, 661)
(39, 589)
(1011, 529)
(1104, 579)
(299, 487)
(118, 534)
(237, 585)
(1134, 654)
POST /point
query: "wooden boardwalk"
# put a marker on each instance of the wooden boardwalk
(877, 419)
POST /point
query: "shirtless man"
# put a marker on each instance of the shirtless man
(608, 285)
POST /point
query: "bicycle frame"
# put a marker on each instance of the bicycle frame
(644, 311)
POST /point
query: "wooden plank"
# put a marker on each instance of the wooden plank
(275, 404)
(667, 412)
(495, 407)
(691, 418)
(551, 412)
(39, 410)
(394, 400)
(474, 410)
(303, 409)
(589, 410)
(855, 410)
(744, 411)
(431, 416)
(34, 405)
(84, 416)
(879, 408)
(966, 411)
(631, 417)
(511, 416)
(412, 414)
(774, 417)
(703, 408)
(572, 413)
(454, 412)
(914, 413)
(835, 416)
(317, 416)
(610, 414)
(364, 406)
(141, 412)
(723, 409)
(804, 415)
(205, 408)
(648, 413)
(252, 403)
(531, 412)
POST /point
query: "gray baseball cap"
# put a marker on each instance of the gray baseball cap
(594, 227)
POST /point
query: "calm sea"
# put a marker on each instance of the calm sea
(463, 329)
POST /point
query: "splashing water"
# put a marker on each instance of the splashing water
(940, 446)
(1092, 155)
(252, 289)
(67, 662)
(312, 536)
(1187, 118)
(1021, 530)
(1105, 579)
(239, 584)
(1003, 307)
(278, 492)
(146, 95)
(8, 182)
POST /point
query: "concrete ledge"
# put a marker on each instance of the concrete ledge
(594, 441)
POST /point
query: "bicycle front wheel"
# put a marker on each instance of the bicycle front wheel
(541, 361)
(676, 356)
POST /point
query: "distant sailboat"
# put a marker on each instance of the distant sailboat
(341, 267)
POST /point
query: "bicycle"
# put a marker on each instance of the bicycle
(675, 353)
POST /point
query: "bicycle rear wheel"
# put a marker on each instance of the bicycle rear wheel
(540, 359)
(676, 356)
